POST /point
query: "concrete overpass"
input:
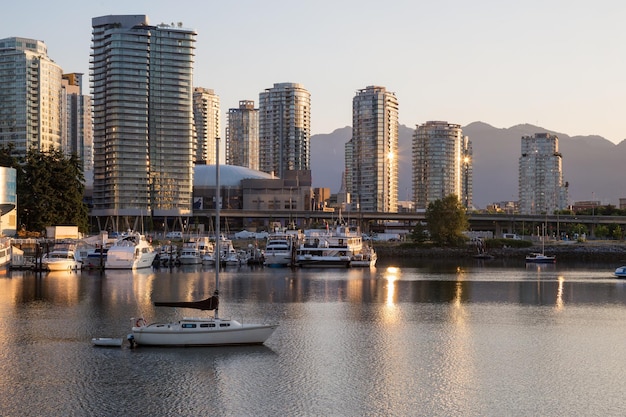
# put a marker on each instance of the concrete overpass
(496, 223)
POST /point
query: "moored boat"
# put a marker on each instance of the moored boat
(132, 251)
(209, 331)
(367, 258)
(280, 248)
(540, 258)
(326, 248)
(62, 258)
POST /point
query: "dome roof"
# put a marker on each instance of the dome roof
(230, 175)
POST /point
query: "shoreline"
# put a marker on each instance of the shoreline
(609, 251)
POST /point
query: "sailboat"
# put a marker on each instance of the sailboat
(197, 331)
(541, 258)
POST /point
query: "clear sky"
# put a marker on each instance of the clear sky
(558, 64)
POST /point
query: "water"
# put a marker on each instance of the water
(430, 338)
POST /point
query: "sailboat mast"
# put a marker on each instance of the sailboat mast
(217, 218)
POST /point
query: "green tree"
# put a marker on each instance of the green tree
(51, 192)
(419, 233)
(617, 232)
(601, 231)
(447, 220)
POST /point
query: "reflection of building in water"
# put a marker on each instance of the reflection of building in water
(8, 201)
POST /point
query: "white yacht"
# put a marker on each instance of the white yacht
(329, 248)
(61, 258)
(132, 251)
(280, 248)
(193, 251)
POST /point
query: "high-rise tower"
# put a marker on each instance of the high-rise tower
(442, 164)
(372, 152)
(76, 121)
(242, 136)
(284, 129)
(142, 89)
(206, 115)
(30, 96)
(541, 186)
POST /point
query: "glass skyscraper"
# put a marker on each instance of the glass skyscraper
(142, 86)
(30, 96)
(541, 186)
(284, 129)
(442, 164)
(206, 114)
(371, 155)
(242, 136)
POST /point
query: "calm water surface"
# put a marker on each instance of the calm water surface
(431, 339)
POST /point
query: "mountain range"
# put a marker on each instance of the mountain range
(593, 166)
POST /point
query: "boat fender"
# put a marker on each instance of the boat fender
(140, 322)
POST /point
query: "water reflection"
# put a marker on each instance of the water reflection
(457, 340)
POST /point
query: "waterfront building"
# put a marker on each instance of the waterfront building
(242, 136)
(284, 129)
(142, 89)
(541, 185)
(76, 120)
(206, 116)
(30, 96)
(8, 201)
(371, 155)
(442, 164)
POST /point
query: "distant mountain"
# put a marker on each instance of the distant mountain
(593, 166)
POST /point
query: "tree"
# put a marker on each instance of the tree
(51, 191)
(419, 233)
(447, 219)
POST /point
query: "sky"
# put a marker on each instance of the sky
(560, 65)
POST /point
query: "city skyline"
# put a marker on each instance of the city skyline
(554, 65)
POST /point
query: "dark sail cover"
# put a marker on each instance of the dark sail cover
(210, 303)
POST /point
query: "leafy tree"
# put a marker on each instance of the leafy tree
(617, 232)
(601, 231)
(419, 233)
(51, 192)
(447, 219)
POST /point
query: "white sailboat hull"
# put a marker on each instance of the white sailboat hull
(195, 332)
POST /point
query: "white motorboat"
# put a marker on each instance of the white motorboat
(280, 248)
(228, 255)
(132, 251)
(189, 256)
(324, 248)
(209, 331)
(193, 251)
(60, 259)
(367, 258)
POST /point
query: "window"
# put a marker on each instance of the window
(188, 326)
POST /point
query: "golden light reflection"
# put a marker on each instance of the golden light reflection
(391, 276)
(559, 294)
